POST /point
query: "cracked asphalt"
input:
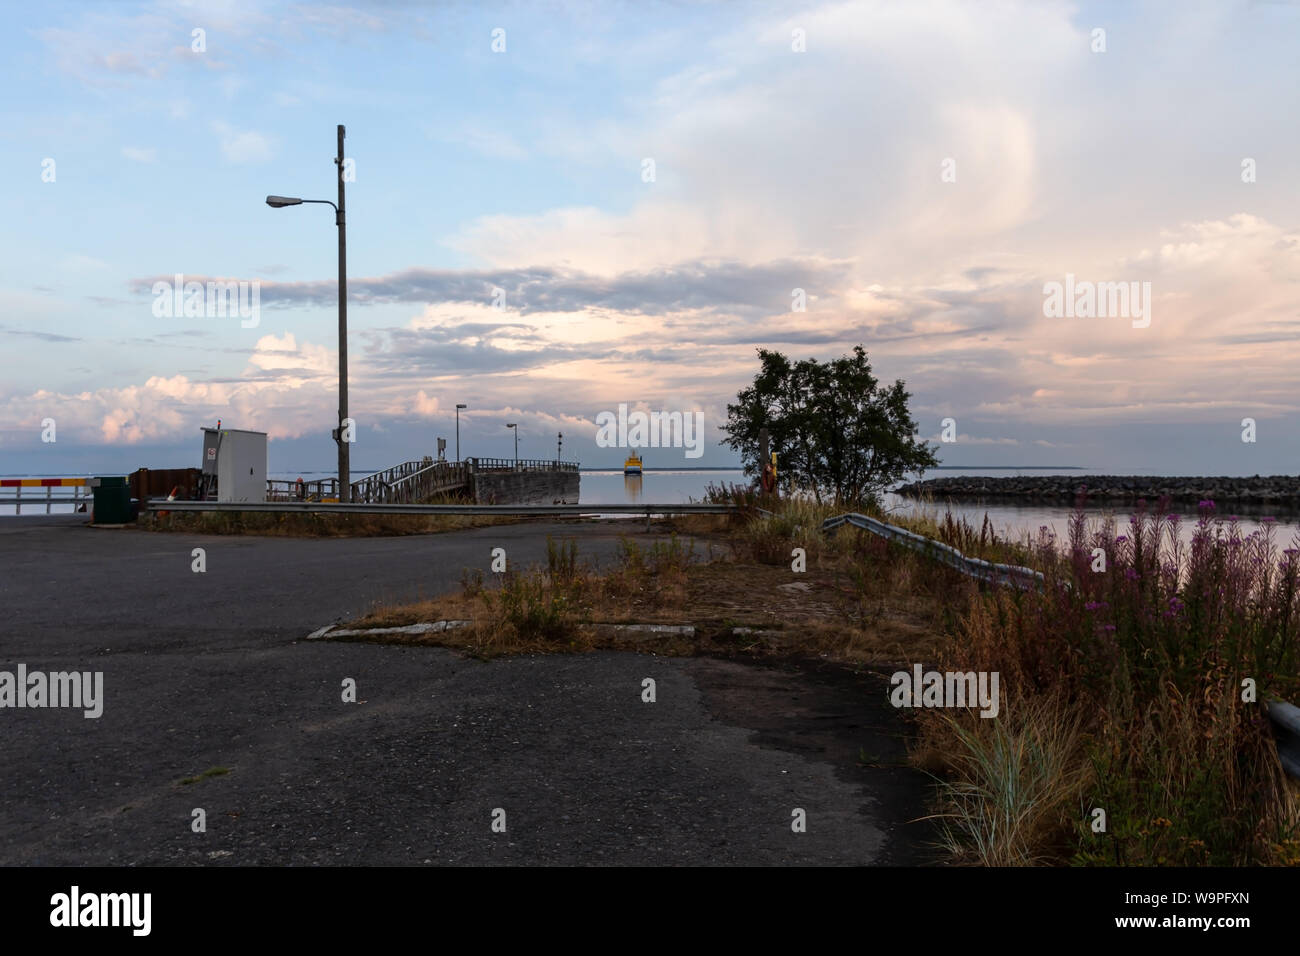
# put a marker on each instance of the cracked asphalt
(210, 671)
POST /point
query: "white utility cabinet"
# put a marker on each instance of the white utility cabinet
(240, 465)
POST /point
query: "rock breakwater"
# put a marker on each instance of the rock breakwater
(1281, 491)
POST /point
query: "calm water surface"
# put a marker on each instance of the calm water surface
(674, 487)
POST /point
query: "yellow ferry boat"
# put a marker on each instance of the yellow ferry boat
(633, 464)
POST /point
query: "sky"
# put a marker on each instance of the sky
(555, 209)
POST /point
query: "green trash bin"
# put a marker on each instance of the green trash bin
(112, 501)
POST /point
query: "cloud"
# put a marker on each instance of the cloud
(140, 155)
(723, 286)
(43, 336)
(242, 146)
(493, 142)
(424, 405)
(336, 20)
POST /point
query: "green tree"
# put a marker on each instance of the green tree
(836, 431)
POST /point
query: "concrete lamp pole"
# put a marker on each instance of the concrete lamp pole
(341, 434)
(515, 426)
(459, 406)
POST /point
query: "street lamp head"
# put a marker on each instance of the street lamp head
(512, 425)
(278, 201)
(461, 405)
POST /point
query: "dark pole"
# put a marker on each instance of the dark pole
(459, 406)
(345, 477)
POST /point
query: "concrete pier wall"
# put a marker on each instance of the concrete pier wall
(524, 487)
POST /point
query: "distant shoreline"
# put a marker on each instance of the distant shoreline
(1273, 490)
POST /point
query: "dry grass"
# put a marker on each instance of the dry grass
(1139, 673)
(568, 606)
(1009, 787)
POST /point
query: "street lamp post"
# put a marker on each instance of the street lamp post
(515, 426)
(341, 434)
(459, 406)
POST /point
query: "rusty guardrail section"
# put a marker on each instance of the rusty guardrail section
(1009, 574)
(1286, 731)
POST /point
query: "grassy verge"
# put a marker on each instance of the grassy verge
(734, 603)
(1132, 686)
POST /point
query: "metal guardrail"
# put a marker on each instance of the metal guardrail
(368, 508)
(80, 492)
(1009, 574)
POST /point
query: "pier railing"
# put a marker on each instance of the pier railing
(523, 464)
(410, 482)
(323, 489)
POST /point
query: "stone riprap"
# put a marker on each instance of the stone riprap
(1274, 490)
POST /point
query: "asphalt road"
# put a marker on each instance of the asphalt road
(205, 671)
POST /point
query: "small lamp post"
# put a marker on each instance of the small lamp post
(459, 406)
